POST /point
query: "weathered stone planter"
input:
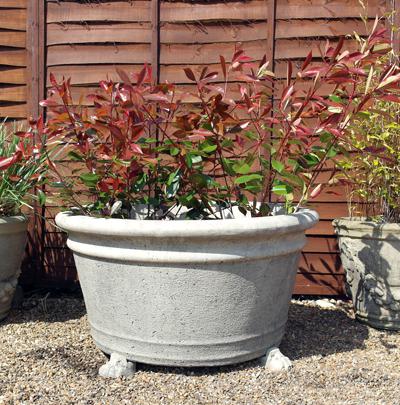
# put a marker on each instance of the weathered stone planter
(188, 293)
(12, 246)
(370, 254)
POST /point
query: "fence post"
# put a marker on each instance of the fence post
(155, 39)
(271, 24)
(36, 84)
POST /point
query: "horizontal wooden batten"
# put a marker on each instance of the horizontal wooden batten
(59, 34)
(13, 19)
(12, 75)
(66, 11)
(13, 3)
(192, 33)
(13, 111)
(13, 57)
(319, 284)
(301, 9)
(14, 93)
(97, 54)
(210, 53)
(90, 74)
(321, 244)
(223, 11)
(16, 39)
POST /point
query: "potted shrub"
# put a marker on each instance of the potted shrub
(21, 168)
(186, 218)
(369, 239)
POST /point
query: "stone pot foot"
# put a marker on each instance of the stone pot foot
(275, 361)
(117, 366)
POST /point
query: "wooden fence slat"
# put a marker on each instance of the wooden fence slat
(111, 11)
(249, 10)
(89, 74)
(13, 58)
(13, 3)
(319, 284)
(13, 19)
(59, 34)
(14, 93)
(97, 54)
(13, 111)
(288, 9)
(12, 75)
(15, 39)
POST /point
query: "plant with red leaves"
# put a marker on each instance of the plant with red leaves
(211, 148)
(22, 167)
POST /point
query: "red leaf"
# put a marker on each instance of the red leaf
(136, 148)
(122, 75)
(53, 80)
(307, 60)
(189, 74)
(6, 162)
(223, 65)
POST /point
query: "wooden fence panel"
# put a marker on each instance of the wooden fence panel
(13, 59)
(87, 40)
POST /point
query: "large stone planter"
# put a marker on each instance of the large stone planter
(188, 293)
(12, 246)
(370, 254)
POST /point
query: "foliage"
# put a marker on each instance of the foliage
(372, 170)
(22, 166)
(154, 144)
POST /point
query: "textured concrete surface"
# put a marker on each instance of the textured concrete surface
(12, 246)
(188, 293)
(370, 254)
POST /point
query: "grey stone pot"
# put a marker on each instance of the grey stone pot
(12, 246)
(370, 254)
(187, 293)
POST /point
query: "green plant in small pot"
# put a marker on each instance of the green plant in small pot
(186, 218)
(369, 239)
(21, 169)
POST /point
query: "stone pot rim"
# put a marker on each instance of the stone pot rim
(13, 224)
(14, 219)
(364, 223)
(240, 227)
(368, 228)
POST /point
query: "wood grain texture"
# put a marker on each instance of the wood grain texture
(13, 93)
(70, 11)
(61, 34)
(13, 19)
(15, 39)
(13, 3)
(97, 54)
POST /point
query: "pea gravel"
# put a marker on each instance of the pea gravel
(47, 357)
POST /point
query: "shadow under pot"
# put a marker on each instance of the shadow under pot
(187, 293)
(370, 253)
(12, 247)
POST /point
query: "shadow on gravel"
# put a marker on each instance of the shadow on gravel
(46, 309)
(312, 331)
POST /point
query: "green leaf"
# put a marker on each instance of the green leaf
(41, 197)
(75, 156)
(89, 179)
(241, 167)
(208, 148)
(281, 188)
(174, 151)
(248, 178)
(278, 166)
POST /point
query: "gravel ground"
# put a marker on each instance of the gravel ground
(47, 357)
